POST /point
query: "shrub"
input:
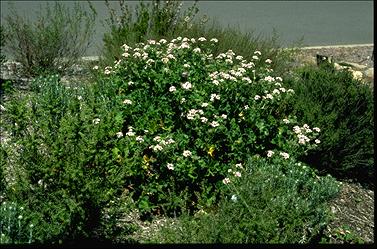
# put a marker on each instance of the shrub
(274, 200)
(186, 114)
(155, 19)
(53, 42)
(63, 159)
(343, 108)
(164, 124)
(2, 43)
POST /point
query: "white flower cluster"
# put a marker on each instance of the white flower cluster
(193, 113)
(285, 155)
(131, 133)
(161, 143)
(214, 96)
(302, 133)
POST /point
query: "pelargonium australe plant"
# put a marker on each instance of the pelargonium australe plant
(187, 115)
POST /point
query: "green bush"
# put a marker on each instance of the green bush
(343, 108)
(64, 175)
(273, 200)
(52, 43)
(186, 114)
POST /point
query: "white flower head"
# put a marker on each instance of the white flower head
(127, 102)
(226, 180)
(284, 155)
(268, 61)
(214, 40)
(170, 166)
(187, 153)
(237, 174)
(203, 119)
(270, 153)
(119, 134)
(96, 121)
(187, 85)
(172, 89)
(139, 139)
(197, 50)
(214, 124)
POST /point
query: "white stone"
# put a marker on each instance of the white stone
(369, 73)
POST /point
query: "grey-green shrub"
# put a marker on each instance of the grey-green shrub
(53, 42)
(274, 201)
(2, 43)
(343, 108)
(154, 19)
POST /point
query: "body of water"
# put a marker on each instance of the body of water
(317, 22)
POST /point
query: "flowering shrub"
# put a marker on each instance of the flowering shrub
(187, 114)
(164, 125)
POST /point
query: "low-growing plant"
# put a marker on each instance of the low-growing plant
(53, 42)
(267, 200)
(14, 225)
(343, 108)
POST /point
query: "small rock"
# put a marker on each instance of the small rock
(339, 67)
(369, 73)
(354, 65)
(357, 75)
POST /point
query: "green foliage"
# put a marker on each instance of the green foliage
(160, 129)
(186, 114)
(343, 235)
(52, 43)
(343, 108)
(65, 175)
(14, 225)
(270, 201)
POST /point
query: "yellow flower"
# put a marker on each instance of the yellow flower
(211, 150)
